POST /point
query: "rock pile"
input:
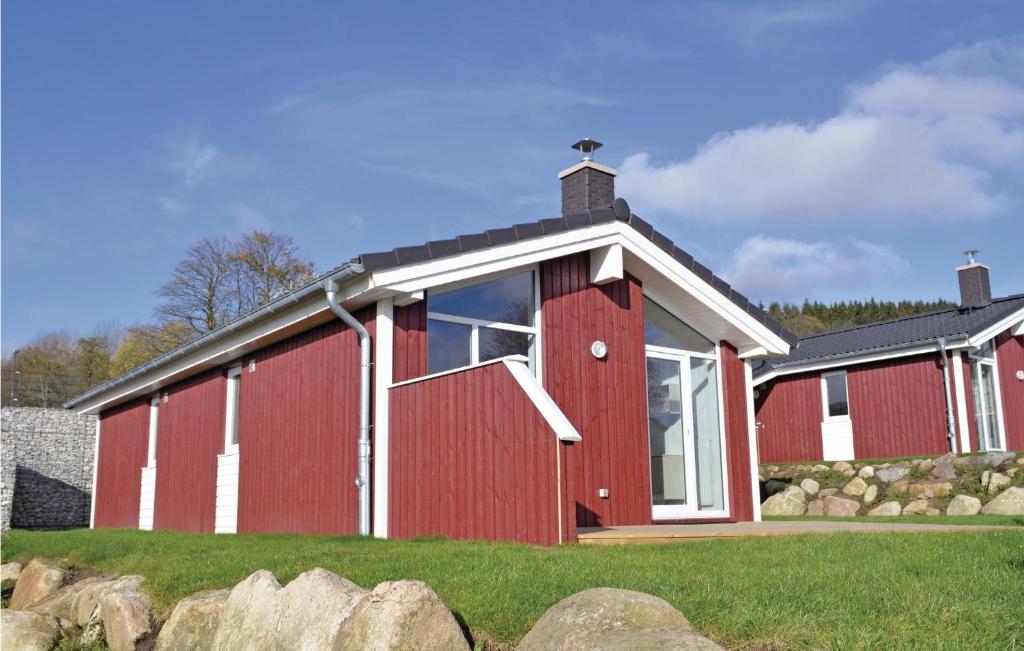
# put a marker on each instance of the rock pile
(990, 483)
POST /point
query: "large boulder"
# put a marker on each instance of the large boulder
(887, 508)
(870, 494)
(773, 486)
(998, 459)
(891, 474)
(810, 486)
(22, 630)
(401, 616)
(9, 573)
(193, 623)
(815, 507)
(646, 640)
(584, 620)
(867, 472)
(38, 580)
(308, 613)
(919, 507)
(944, 471)
(963, 505)
(840, 506)
(841, 466)
(76, 602)
(127, 618)
(997, 482)
(898, 487)
(1009, 502)
(931, 489)
(792, 501)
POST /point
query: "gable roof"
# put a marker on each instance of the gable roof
(367, 263)
(951, 323)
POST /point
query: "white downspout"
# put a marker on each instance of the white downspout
(950, 427)
(363, 476)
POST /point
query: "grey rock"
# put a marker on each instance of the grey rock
(985, 476)
(891, 474)
(931, 489)
(887, 508)
(898, 487)
(9, 572)
(654, 641)
(997, 482)
(867, 472)
(193, 622)
(773, 486)
(401, 616)
(77, 601)
(999, 459)
(946, 458)
(1009, 502)
(791, 501)
(919, 507)
(855, 487)
(840, 506)
(944, 470)
(22, 630)
(582, 620)
(38, 580)
(963, 505)
(841, 466)
(825, 492)
(810, 486)
(127, 618)
(819, 468)
(870, 494)
(815, 507)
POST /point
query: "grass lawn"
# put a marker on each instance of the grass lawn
(998, 520)
(839, 591)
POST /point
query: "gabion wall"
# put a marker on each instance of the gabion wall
(46, 457)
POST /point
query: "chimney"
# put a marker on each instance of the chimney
(974, 287)
(587, 184)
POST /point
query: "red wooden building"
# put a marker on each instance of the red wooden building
(514, 384)
(922, 385)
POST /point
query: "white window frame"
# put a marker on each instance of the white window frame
(475, 324)
(825, 417)
(154, 419)
(979, 357)
(690, 510)
(234, 381)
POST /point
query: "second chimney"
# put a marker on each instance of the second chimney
(974, 286)
(587, 184)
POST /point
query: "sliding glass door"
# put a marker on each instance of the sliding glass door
(684, 423)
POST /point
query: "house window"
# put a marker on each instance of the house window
(231, 415)
(480, 322)
(983, 388)
(154, 412)
(835, 397)
(662, 330)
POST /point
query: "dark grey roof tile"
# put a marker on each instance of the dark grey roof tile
(412, 254)
(531, 229)
(554, 225)
(441, 248)
(682, 257)
(641, 226)
(473, 242)
(702, 272)
(661, 241)
(578, 220)
(380, 260)
(602, 215)
(498, 236)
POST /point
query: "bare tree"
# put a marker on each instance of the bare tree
(266, 264)
(198, 295)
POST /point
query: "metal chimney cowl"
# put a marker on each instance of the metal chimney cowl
(587, 184)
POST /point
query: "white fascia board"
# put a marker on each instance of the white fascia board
(554, 416)
(1015, 321)
(383, 350)
(752, 352)
(606, 264)
(1018, 330)
(258, 335)
(498, 259)
(842, 362)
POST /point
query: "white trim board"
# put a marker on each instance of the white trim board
(95, 475)
(147, 498)
(998, 327)
(755, 478)
(383, 350)
(226, 511)
(960, 389)
(843, 362)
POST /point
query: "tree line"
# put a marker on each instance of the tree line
(814, 316)
(216, 281)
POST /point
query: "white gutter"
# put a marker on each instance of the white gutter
(331, 287)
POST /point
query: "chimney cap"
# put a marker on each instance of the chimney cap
(971, 255)
(587, 147)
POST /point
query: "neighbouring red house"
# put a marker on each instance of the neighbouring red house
(951, 380)
(515, 384)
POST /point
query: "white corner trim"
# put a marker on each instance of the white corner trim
(1015, 321)
(147, 498)
(226, 510)
(541, 400)
(755, 480)
(960, 388)
(606, 264)
(95, 475)
(383, 349)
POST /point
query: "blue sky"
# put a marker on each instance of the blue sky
(824, 149)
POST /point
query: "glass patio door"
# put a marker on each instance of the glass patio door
(687, 461)
(983, 386)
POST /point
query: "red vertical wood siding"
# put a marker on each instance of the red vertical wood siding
(972, 426)
(737, 434)
(898, 407)
(605, 399)
(298, 429)
(1010, 359)
(410, 341)
(471, 458)
(190, 435)
(789, 416)
(123, 448)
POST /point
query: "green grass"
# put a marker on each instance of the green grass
(998, 520)
(838, 591)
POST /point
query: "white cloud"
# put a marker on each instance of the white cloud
(920, 141)
(751, 23)
(192, 158)
(194, 162)
(769, 268)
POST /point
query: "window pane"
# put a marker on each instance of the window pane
(663, 329)
(707, 433)
(504, 300)
(496, 343)
(665, 425)
(235, 384)
(447, 346)
(836, 389)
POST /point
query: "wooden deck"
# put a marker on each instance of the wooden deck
(672, 533)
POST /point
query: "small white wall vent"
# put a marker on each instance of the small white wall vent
(598, 349)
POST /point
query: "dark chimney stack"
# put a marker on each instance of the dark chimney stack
(587, 184)
(974, 288)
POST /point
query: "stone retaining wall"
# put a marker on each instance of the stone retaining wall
(46, 476)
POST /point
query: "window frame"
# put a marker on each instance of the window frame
(154, 424)
(536, 362)
(986, 355)
(231, 403)
(825, 416)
